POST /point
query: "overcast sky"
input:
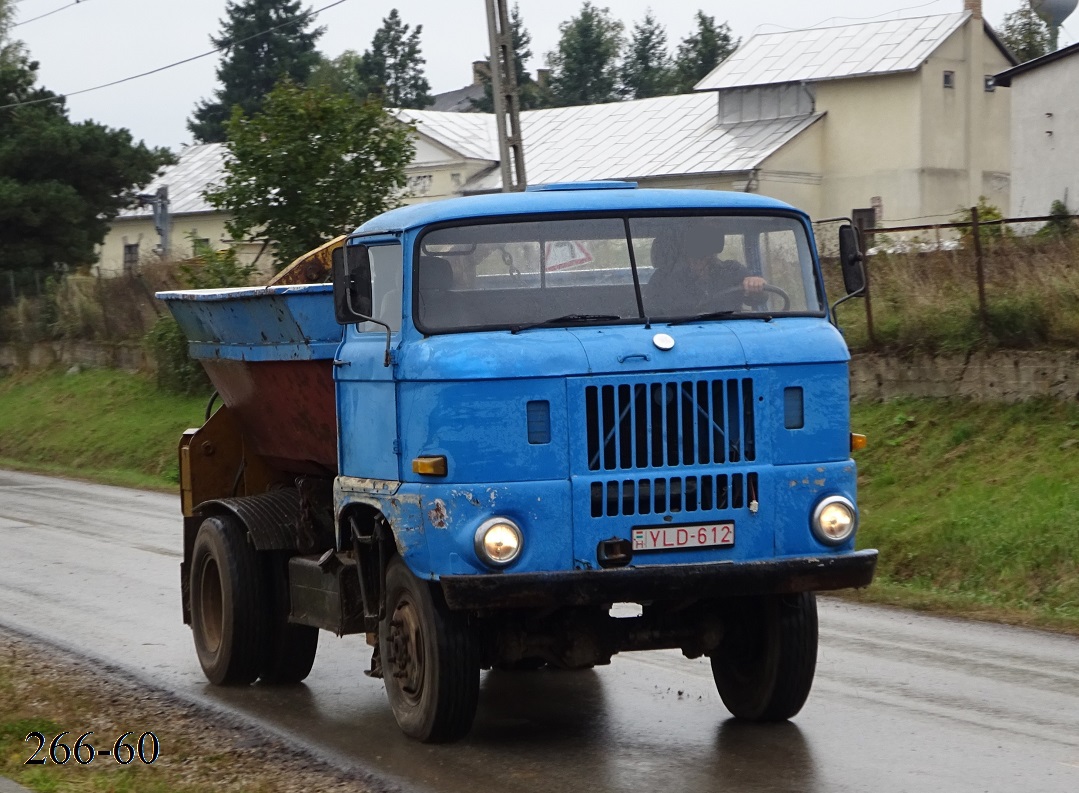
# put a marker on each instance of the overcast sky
(99, 41)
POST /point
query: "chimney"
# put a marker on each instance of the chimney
(480, 70)
(543, 78)
(974, 7)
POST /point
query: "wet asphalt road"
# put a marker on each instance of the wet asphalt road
(901, 703)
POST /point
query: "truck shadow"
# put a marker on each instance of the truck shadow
(772, 757)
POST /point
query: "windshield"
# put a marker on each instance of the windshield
(566, 272)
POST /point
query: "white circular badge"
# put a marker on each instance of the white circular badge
(663, 341)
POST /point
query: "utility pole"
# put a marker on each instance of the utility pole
(159, 201)
(507, 99)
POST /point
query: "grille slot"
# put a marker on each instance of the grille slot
(675, 494)
(669, 424)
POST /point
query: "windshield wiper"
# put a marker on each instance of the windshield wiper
(720, 315)
(574, 318)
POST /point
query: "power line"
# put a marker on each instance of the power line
(48, 13)
(215, 50)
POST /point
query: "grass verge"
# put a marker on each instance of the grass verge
(46, 691)
(107, 425)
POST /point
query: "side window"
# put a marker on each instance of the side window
(386, 285)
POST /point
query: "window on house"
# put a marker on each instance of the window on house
(949, 79)
(198, 244)
(990, 83)
(131, 257)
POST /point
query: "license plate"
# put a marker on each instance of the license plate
(705, 535)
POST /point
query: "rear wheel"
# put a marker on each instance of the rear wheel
(289, 652)
(430, 659)
(228, 624)
(765, 664)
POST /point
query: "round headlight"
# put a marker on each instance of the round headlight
(498, 541)
(834, 520)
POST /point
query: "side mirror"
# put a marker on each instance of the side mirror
(351, 284)
(850, 260)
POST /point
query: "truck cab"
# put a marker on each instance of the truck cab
(554, 402)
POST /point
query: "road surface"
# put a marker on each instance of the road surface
(902, 702)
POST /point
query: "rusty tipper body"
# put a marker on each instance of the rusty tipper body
(546, 404)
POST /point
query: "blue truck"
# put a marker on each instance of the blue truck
(507, 416)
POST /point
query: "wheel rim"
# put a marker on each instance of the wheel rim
(406, 656)
(210, 605)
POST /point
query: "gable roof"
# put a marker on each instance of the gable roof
(862, 50)
(1005, 77)
(197, 167)
(643, 138)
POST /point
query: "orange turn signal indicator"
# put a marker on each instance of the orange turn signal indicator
(429, 466)
(857, 442)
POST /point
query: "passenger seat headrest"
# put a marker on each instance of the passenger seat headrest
(435, 273)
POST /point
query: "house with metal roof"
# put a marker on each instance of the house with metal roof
(888, 121)
(1045, 132)
(891, 120)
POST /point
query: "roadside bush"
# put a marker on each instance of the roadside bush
(177, 372)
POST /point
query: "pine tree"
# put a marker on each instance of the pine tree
(1025, 34)
(703, 50)
(584, 68)
(530, 93)
(263, 41)
(646, 66)
(393, 68)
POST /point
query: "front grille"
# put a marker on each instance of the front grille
(669, 424)
(663, 495)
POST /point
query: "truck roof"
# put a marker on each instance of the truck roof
(573, 197)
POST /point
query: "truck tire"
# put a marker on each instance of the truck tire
(764, 667)
(289, 652)
(227, 618)
(430, 659)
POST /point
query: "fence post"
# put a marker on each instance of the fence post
(979, 267)
(869, 332)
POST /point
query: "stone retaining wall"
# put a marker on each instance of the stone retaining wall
(119, 355)
(1007, 376)
(1003, 376)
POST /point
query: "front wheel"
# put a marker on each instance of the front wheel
(430, 659)
(764, 666)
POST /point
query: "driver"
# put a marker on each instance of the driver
(690, 277)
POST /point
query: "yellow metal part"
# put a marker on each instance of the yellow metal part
(214, 464)
(314, 267)
(429, 466)
(857, 442)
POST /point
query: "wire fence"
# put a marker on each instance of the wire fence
(979, 281)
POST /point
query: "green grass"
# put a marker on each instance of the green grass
(105, 425)
(973, 506)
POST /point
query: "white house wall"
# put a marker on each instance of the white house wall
(1046, 129)
(131, 231)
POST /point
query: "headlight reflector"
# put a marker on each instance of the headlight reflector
(834, 520)
(498, 541)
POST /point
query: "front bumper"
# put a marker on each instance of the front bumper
(667, 582)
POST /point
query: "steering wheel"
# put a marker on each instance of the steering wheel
(775, 290)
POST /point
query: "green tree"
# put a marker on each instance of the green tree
(393, 68)
(531, 94)
(342, 74)
(1025, 34)
(646, 65)
(702, 51)
(60, 183)
(264, 41)
(313, 164)
(584, 68)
